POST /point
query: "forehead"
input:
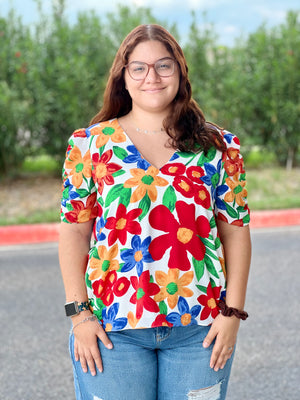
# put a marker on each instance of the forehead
(149, 52)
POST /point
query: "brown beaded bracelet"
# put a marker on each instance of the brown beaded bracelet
(229, 311)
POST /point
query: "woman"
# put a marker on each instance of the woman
(154, 200)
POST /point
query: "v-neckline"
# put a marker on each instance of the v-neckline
(141, 155)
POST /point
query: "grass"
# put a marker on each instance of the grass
(273, 188)
(38, 217)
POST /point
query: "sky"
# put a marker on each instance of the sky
(231, 18)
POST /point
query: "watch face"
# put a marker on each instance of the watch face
(71, 309)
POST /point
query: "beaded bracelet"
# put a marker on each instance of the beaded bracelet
(229, 311)
(90, 318)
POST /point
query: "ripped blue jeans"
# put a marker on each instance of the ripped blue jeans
(154, 364)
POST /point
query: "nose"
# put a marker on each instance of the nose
(152, 75)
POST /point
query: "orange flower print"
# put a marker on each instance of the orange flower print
(81, 212)
(80, 166)
(112, 132)
(172, 286)
(105, 263)
(146, 182)
(238, 191)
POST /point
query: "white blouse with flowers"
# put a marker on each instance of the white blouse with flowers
(156, 257)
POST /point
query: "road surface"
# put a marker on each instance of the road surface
(34, 360)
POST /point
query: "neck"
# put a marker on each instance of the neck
(147, 121)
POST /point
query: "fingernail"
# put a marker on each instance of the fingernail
(109, 346)
(205, 344)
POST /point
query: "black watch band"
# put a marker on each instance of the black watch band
(74, 308)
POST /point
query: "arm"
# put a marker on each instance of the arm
(237, 247)
(74, 245)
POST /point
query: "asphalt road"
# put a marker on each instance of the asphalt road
(34, 360)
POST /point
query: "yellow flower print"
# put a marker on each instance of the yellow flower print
(113, 131)
(80, 166)
(172, 286)
(238, 191)
(146, 182)
(105, 264)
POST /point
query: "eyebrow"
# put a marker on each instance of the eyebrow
(160, 59)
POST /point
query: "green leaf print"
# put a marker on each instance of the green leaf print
(217, 243)
(125, 196)
(210, 266)
(246, 219)
(69, 207)
(231, 211)
(119, 152)
(87, 281)
(144, 204)
(113, 194)
(118, 173)
(212, 222)
(169, 198)
(210, 155)
(208, 243)
(199, 268)
(163, 309)
(202, 288)
(82, 192)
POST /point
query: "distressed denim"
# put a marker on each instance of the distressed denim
(154, 364)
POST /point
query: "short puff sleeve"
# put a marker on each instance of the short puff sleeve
(231, 198)
(79, 196)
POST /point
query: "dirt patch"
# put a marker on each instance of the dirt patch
(23, 197)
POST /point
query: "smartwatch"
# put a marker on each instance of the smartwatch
(74, 308)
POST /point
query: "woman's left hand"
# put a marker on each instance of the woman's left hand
(224, 330)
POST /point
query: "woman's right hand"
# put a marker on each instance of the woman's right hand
(86, 349)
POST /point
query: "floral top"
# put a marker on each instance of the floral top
(156, 257)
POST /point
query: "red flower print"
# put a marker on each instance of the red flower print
(103, 170)
(80, 133)
(173, 169)
(123, 223)
(210, 302)
(161, 320)
(144, 289)
(110, 287)
(181, 236)
(184, 186)
(83, 213)
(195, 173)
(233, 162)
(202, 196)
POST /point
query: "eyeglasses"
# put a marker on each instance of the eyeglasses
(139, 70)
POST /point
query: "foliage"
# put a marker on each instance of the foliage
(52, 77)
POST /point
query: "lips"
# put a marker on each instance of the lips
(153, 90)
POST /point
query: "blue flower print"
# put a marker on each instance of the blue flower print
(110, 322)
(99, 226)
(186, 316)
(174, 157)
(137, 255)
(88, 130)
(212, 177)
(219, 191)
(228, 137)
(136, 157)
(69, 193)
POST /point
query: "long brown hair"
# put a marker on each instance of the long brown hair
(186, 124)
